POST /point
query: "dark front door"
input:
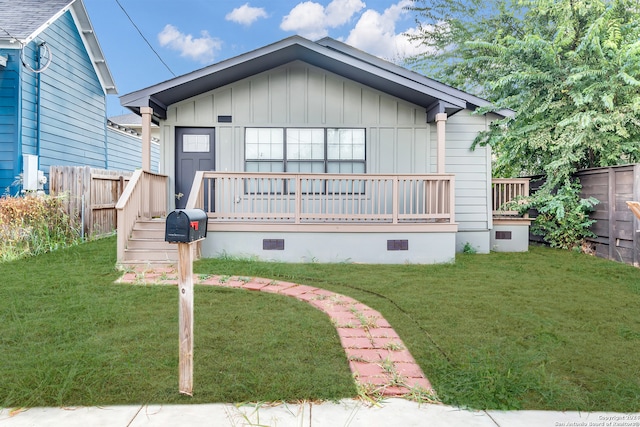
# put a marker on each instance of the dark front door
(194, 152)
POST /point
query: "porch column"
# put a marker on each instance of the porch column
(441, 121)
(146, 113)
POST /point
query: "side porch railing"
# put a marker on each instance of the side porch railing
(506, 190)
(145, 196)
(292, 198)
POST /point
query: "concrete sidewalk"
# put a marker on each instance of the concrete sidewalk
(354, 413)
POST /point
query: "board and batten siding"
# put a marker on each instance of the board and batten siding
(71, 125)
(399, 140)
(299, 94)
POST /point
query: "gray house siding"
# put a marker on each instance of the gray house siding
(399, 140)
(473, 178)
(302, 95)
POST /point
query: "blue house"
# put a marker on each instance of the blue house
(53, 85)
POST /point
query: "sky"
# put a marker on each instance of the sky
(181, 36)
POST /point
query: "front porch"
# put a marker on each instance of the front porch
(369, 218)
(392, 218)
(328, 217)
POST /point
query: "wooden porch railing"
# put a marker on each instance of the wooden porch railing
(506, 190)
(324, 198)
(145, 196)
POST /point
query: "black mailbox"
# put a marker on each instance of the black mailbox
(185, 226)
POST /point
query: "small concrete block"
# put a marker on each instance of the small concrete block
(377, 382)
(397, 356)
(363, 354)
(384, 333)
(367, 370)
(325, 293)
(409, 370)
(395, 391)
(285, 285)
(234, 283)
(352, 332)
(355, 342)
(345, 320)
(254, 286)
(272, 288)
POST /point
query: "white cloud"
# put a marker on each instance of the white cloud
(312, 20)
(202, 49)
(375, 33)
(246, 15)
(339, 12)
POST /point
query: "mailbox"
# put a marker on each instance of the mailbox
(185, 226)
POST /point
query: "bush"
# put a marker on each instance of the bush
(33, 225)
(563, 216)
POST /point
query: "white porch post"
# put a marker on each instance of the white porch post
(146, 138)
(441, 121)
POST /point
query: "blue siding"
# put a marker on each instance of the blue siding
(125, 152)
(72, 128)
(9, 124)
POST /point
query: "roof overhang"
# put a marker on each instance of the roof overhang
(327, 54)
(81, 18)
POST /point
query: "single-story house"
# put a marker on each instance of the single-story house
(54, 81)
(317, 151)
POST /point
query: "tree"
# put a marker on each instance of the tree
(569, 68)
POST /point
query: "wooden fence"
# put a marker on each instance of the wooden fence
(616, 226)
(91, 195)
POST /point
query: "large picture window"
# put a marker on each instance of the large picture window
(305, 150)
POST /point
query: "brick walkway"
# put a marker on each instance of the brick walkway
(380, 363)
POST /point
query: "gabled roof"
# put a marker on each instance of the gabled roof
(21, 21)
(328, 54)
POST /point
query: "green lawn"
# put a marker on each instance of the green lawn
(547, 329)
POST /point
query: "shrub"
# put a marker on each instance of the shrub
(563, 216)
(33, 225)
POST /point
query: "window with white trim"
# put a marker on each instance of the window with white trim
(305, 150)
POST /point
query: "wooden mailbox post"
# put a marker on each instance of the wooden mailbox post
(185, 227)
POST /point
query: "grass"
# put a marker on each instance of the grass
(69, 336)
(547, 329)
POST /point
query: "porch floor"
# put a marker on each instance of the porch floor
(377, 356)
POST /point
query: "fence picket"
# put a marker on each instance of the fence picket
(91, 195)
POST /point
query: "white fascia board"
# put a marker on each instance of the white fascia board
(91, 44)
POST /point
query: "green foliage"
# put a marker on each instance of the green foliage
(32, 225)
(468, 249)
(563, 216)
(569, 69)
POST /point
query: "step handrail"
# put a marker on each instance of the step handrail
(145, 196)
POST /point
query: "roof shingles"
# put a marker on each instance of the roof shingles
(21, 18)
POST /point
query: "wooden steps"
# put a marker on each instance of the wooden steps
(146, 246)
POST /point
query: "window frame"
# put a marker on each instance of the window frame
(326, 162)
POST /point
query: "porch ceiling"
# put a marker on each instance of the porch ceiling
(328, 54)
